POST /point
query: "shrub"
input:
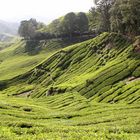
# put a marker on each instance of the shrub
(3, 85)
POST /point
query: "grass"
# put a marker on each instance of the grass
(68, 116)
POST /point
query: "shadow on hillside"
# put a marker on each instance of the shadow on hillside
(32, 47)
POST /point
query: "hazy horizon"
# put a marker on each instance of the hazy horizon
(43, 10)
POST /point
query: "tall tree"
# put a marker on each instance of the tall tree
(28, 28)
(125, 17)
(102, 14)
(103, 7)
(81, 22)
(69, 23)
(94, 20)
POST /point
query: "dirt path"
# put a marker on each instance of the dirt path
(25, 94)
(131, 79)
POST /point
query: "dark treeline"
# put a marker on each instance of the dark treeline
(46, 35)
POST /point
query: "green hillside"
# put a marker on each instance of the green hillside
(104, 69)
(15, 60)
(86, 91)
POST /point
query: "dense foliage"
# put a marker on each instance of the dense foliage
(29, 28)
(69, 25)
(116, 15)
(67, 117)
(104, 69)
(120, 16)
(125, 17)
(84, 91)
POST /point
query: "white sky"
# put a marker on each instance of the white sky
(42, 10)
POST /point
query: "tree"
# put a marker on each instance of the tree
(125, 17)
(94, 20)
(102, 14)
(103, 7)
(28, 28)
(116, 18)
(69, 23)
(81, 22)
(23, 29)
(55, 27)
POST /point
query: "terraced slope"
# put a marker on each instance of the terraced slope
(104, 69)
(15, 60)
(87, 91)
(67, 116)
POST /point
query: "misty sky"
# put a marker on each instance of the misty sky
(42, 10)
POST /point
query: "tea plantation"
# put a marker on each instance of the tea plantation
(86, 91)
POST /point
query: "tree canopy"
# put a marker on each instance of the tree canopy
(27, 28)
(69, 24)
(120, 16)
(125, 17)
(116, 15)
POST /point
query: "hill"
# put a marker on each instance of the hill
(8, 27)
(104, 69)
(85, 91)
(7, 38)
(8, 31)
(21, 56)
